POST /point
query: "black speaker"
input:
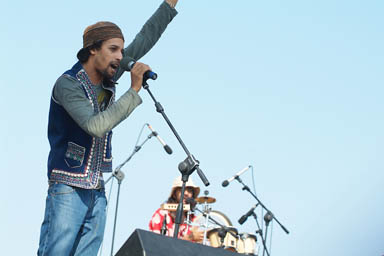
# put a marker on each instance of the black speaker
(146, 243)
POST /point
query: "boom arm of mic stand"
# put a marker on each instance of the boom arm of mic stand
(190, 157)
(257, 199)
(117, 173)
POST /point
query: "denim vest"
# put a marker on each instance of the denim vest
(76, 158)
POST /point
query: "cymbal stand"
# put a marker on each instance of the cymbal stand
(207, 211)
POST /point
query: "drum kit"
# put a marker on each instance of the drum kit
(219, 231)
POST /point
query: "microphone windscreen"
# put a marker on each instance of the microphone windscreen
(127, 63)
(242, 219)
(168, 149)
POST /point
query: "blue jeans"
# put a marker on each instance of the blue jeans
(74, 221)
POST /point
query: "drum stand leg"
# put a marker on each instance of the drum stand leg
(207, 211)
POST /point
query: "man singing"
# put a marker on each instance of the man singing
(82, 113)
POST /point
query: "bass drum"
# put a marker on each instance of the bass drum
(217, 216)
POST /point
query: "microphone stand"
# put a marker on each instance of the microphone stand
(262, 205)
(186, 167)
(119, 175)
(260, 232)
(267, 218)
(245, 187)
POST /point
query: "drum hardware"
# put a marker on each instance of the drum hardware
(207, 211)
(208, 216)
(222, 233)
(205, 200)
(227, 232)
(224, 237)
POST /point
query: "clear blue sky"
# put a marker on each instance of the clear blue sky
(293, 88)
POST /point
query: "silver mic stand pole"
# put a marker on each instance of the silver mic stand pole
(119, 175)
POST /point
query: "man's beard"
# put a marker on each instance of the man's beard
(104, 73)
(107, 77)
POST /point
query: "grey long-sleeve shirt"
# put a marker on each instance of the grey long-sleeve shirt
(69, 93)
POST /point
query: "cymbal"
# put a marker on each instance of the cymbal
(205, 199)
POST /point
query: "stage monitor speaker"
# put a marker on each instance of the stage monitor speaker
(146, 243)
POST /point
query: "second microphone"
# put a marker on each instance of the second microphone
(166, 147)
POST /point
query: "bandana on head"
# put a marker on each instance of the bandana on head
(101, 31)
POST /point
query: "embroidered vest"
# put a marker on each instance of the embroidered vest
(76, 158)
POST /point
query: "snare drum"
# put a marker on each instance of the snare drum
(230, 238)
(246, 244)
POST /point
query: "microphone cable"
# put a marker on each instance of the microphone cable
(253, 181)
(138, 138)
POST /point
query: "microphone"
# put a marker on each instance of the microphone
(166, 147)
(245, 216)
(226, 182)
(127, 64)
